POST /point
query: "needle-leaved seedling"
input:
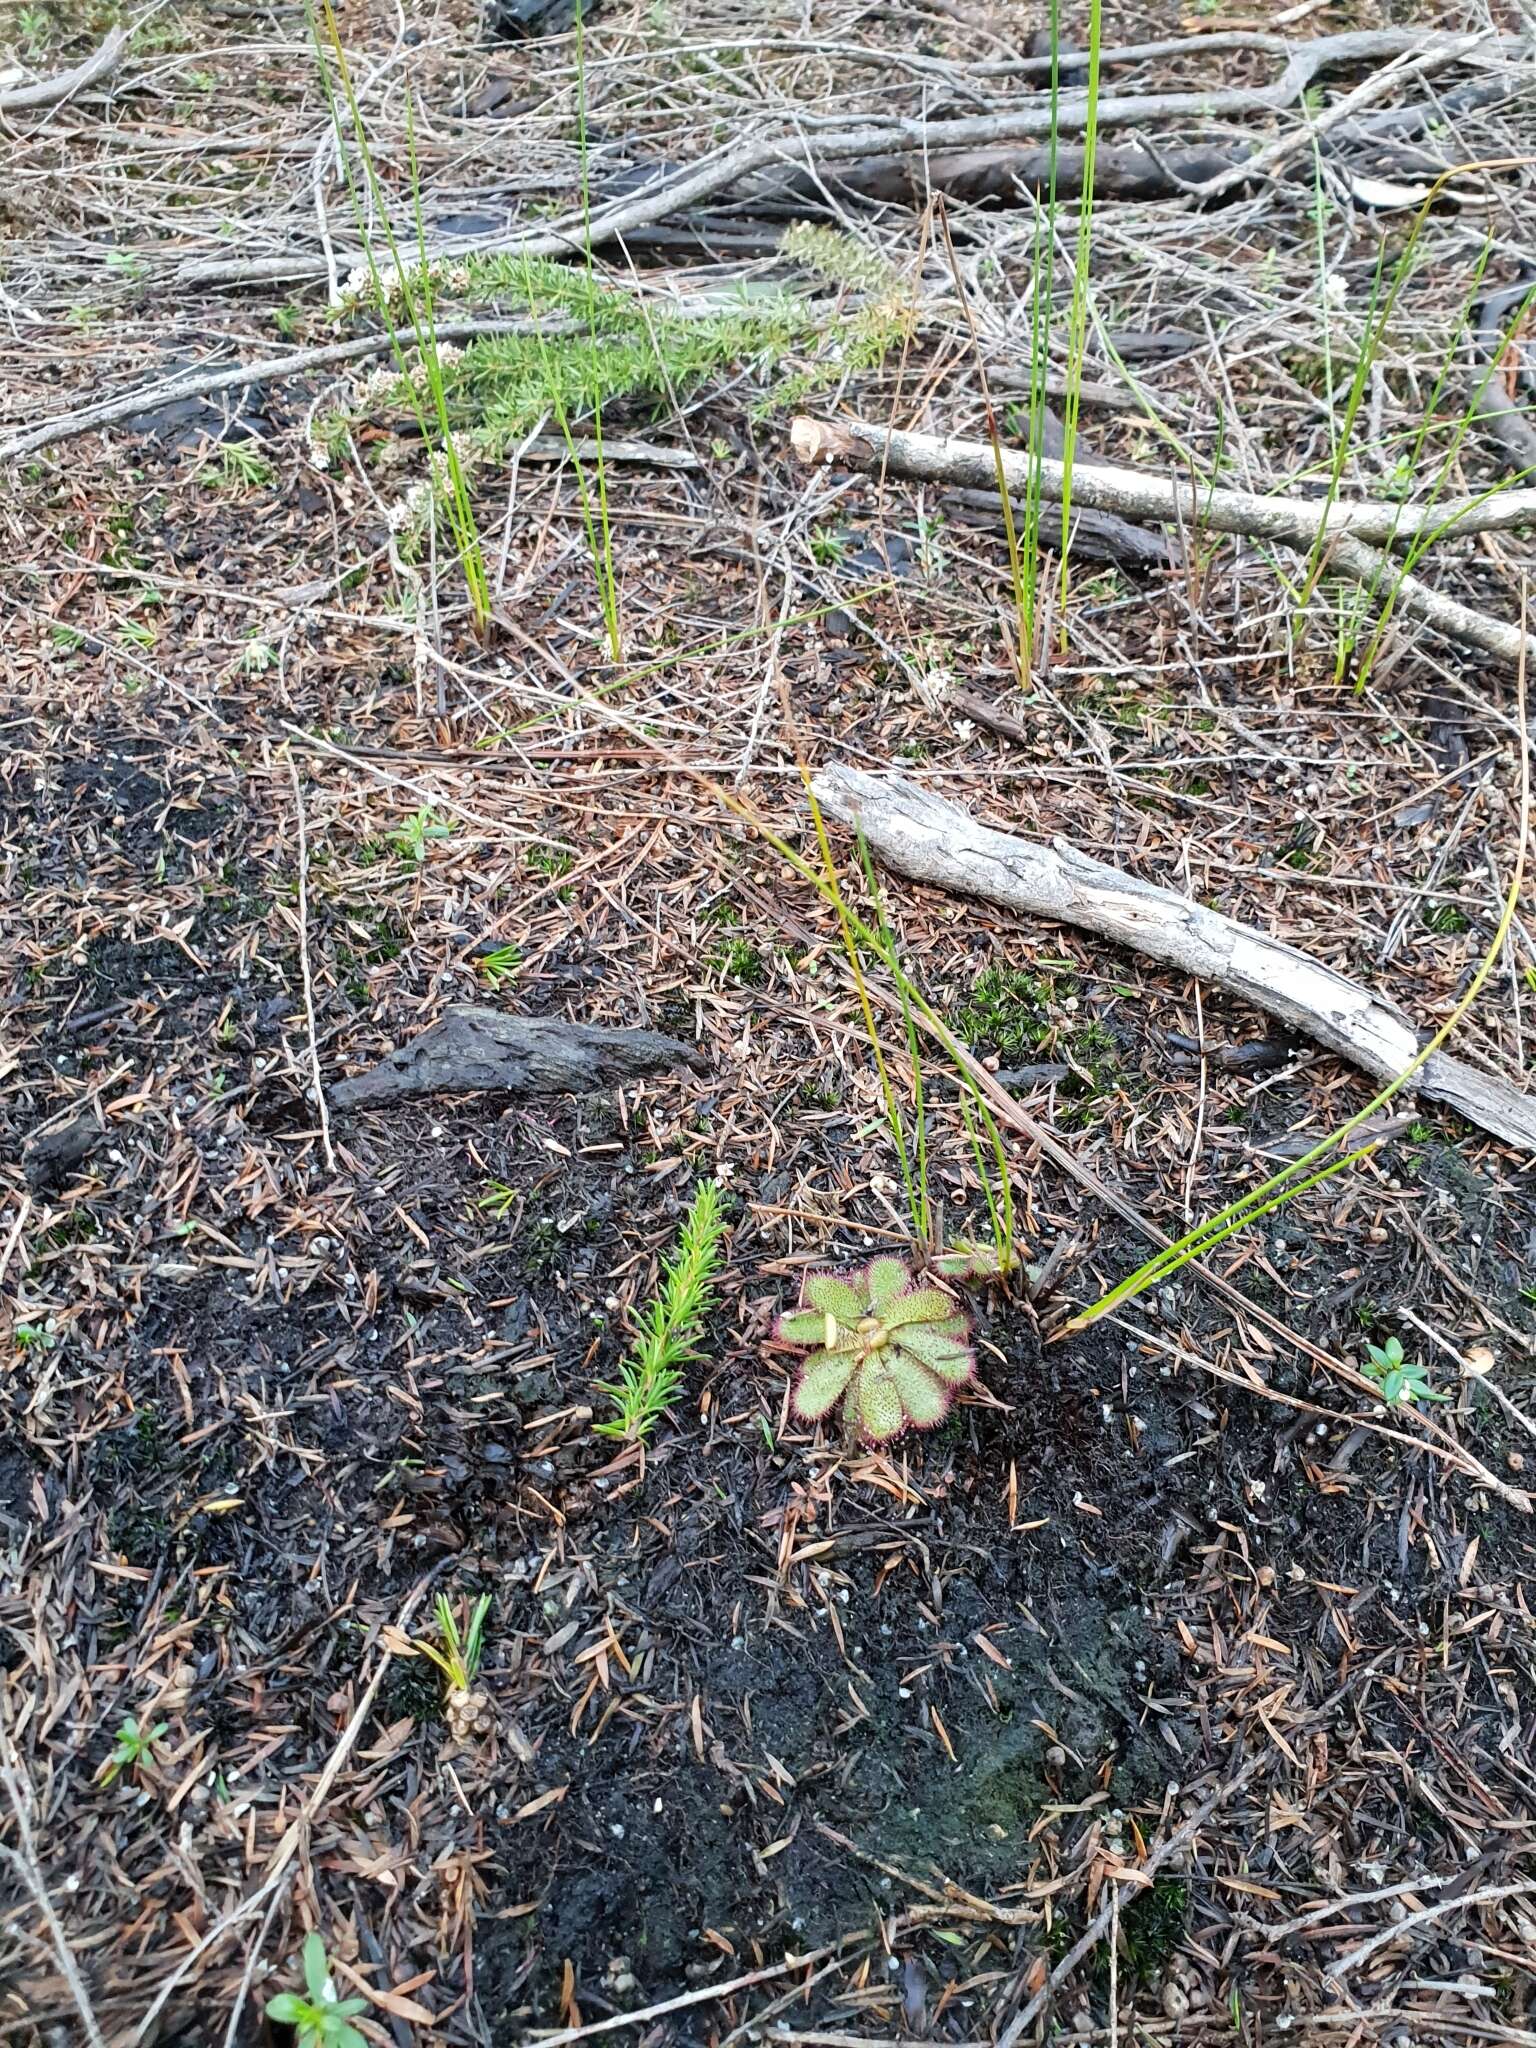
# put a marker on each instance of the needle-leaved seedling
(892, 1351)
(651, 1378)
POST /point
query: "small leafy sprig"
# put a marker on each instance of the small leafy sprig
(893, 1352)
(651, 1378)
(1402, 1380)
(320, 2019)
(132, 1747)
(411, 839)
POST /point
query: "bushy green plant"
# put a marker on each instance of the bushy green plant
(318, 2017)
(651, 1378)
(890, 1350)
(883, 322)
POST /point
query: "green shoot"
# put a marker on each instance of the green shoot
(257, 656)
(132, 1748)
(602, 559)
(1427, 536)
(851, 929)
(411, 839)
(413, 288)
(498, 1199)
(914, 1172)
(651, 1378)
(500, 964)
(1402, 1381)
(318, 2017)
(459, 1652)
(242, 467)
(1022, 556)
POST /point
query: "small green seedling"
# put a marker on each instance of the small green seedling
(497, 1199)
(500, 964)
(319, 2019)
(257, 656)
(1402, 1380)
(651, 1378)
(33, 1337)
(553, 861)
(132, 1748)
(891, 1351)
(975, 1265)
(242, 467)
(410, 840)
(467, 1711)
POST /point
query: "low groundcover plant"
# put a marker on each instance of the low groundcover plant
(891, 1350)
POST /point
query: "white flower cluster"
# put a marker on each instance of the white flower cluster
(385, 385)
(315, 450)
(393, 283)
(934, 685)
(413, 513)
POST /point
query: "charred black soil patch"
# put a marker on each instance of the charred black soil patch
(1169, 1636)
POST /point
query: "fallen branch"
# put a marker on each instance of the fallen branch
(810, 143)
(52, 92)
(1004, 173)
(931, 840)
(1357, 531)
(1507, 406)
(207, 378)
(1133, 494)
(473, 1048)
(1395, 1930)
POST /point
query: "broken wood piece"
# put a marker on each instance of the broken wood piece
(53, 1151)
(1357, 531)
(929, 839)
(472, 1049)
(1506, 390)
(1007, 174)
(52, 92)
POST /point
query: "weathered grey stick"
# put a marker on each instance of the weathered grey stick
(472, 1048)
(208, 378)
(932, 840)
(52, 92)
(1357, 531)
(1136, 494)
